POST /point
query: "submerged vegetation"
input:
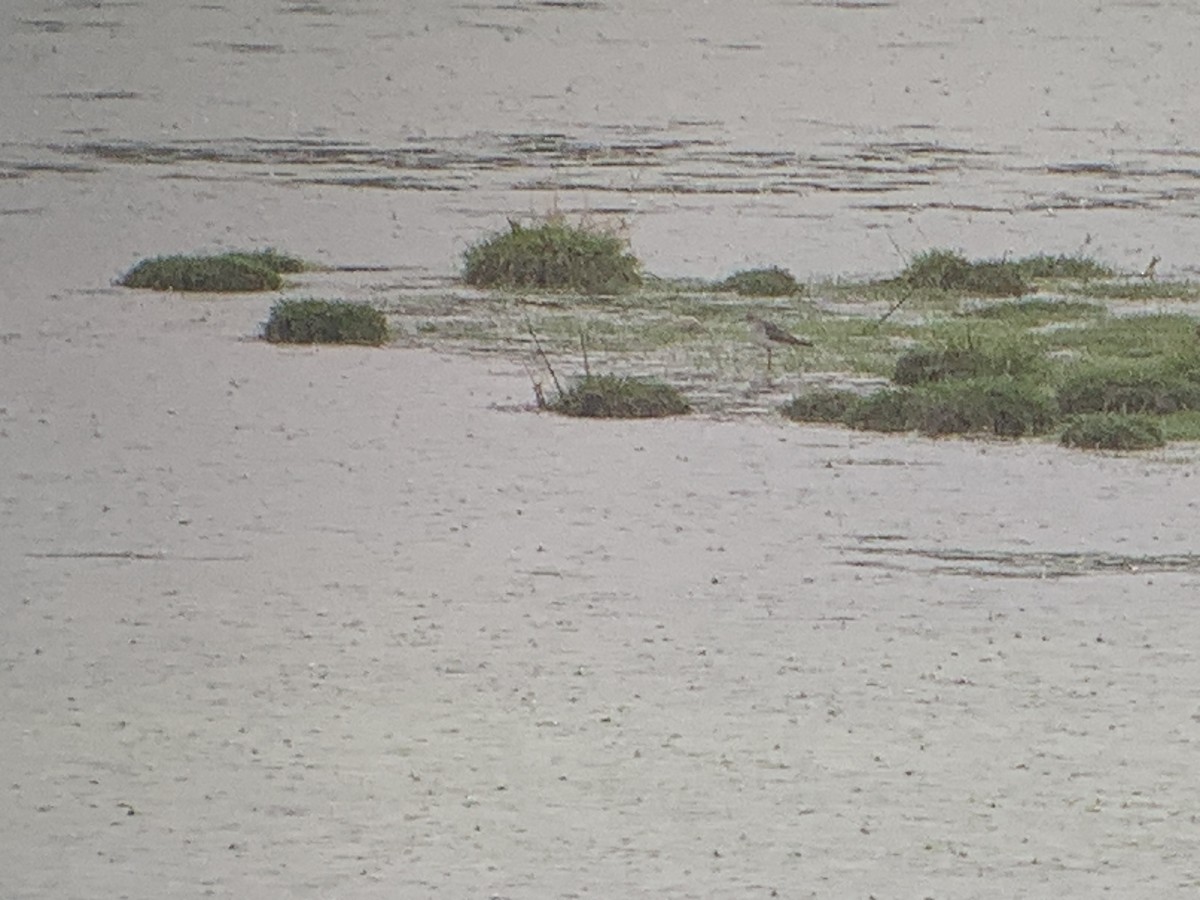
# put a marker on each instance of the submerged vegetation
(240, 272)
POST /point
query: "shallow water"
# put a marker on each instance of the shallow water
(326, 622)
(828, 137)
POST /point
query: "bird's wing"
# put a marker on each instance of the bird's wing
(777, 334)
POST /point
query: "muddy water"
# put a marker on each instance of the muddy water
(290, 623)
(829, 136)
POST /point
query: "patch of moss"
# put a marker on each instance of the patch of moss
(617, 397)
(553, 255)
(1113, 431)
(325, 322)
(770, 282)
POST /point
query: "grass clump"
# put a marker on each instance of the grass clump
(1167, 336)
(1181, 426)
(1129, 387)
(770, 282)
(1044, 265)
(946, 270)
(553, 255)
(618, 397)
(888, 410)
(821, 405)
(1113, 431)
(274, 260)
(325, 322)
(222, 273)
(1140, 290)
(1005, 407)
(1038, 311)
(923, 365)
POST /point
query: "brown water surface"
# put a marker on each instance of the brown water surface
(828, 137)
(329, 622)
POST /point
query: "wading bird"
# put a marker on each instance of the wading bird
(768, 334)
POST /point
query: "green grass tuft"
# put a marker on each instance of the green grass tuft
(325, 322)
(1140, 290)
(1005, 407)
(1037, 311)
(946, 270)
(967, 360)
(1044, 265)
(273, 260)
(1113, 431)
(1181, 426)
(617, 397)
(230, 273)
(1132, 337)
(553, 255)
(822, 405)
(257, 270)
(1149, 386)
(772, 282)
(887, 410)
